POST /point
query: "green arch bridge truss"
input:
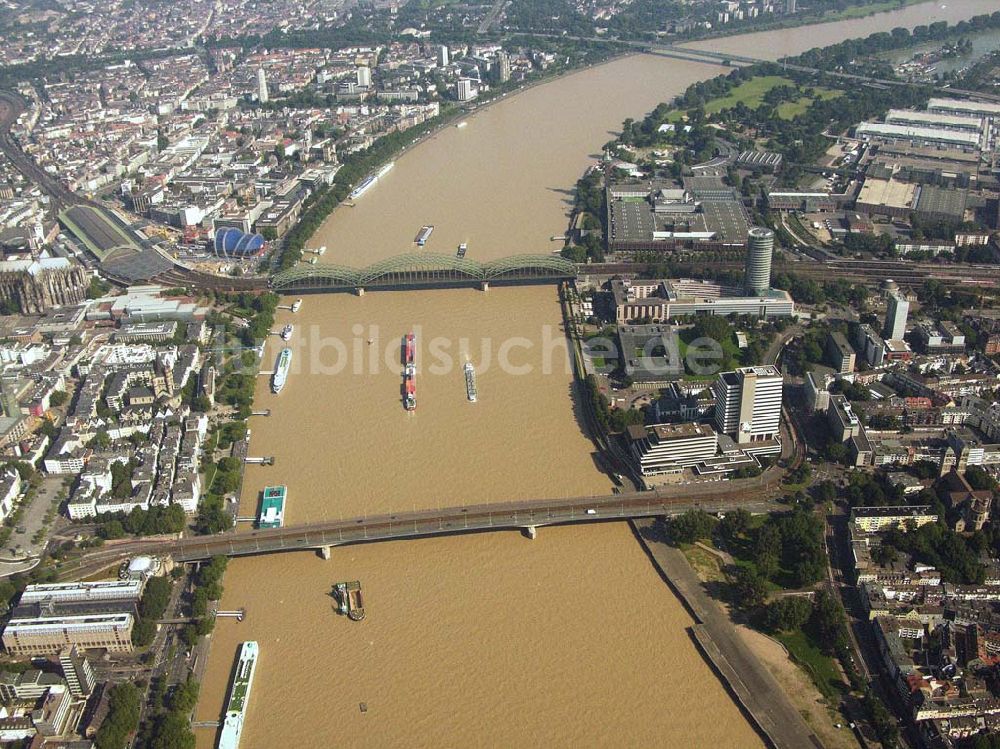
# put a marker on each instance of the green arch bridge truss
(424, 269)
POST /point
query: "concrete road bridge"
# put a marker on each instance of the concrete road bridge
(424, 270)
(755, 495)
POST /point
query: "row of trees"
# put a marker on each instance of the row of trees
(154, 602)
(124, 703)
(167, 725)
(155, 521)
(207, 587)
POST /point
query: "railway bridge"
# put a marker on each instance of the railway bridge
(424, 270)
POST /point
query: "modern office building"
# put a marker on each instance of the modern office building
(757, 276)
(48, 635)
(262, 95)
(748, 407)
(78, 672)
(442, 56)
(364, 76)
(897, 308)
(669, 448)
(90, 592)
(679, 297)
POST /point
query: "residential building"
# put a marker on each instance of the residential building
(895, 319)
(899, 517)
(839, 353)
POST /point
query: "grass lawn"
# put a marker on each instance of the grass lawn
(707, 566)
(791, 109)
(750, 93)
(821, 668)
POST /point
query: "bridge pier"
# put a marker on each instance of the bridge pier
(324, 551)
(531, 531)
(360, 291)
(485, 286)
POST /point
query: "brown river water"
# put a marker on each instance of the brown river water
(487, 639)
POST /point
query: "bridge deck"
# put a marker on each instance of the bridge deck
(469, 519)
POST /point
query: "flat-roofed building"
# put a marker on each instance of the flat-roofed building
(679, 297)
(935, 120)
(878, 519)
(962, 107)
(844, 423)
(27, 686)
(100, 590)
(886, 197)
(669, 448)
(810, 202)
(48, 635)
(918, 136)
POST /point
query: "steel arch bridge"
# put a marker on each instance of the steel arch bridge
(424, 270)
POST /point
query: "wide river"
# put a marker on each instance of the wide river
(486, 639)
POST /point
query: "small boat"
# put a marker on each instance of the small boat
(286, 332)
(462, 249)
(462, 124)
(296, 305)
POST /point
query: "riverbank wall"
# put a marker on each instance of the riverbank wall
(749, 682)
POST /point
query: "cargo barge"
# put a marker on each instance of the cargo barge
(351, 601)
(239, 696)
(470, 382)
(409, 373)
(424, 234)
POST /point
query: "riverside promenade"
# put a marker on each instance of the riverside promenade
(756, 690)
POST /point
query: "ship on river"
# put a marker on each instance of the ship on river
(239, 696)
(370, 180)
(424, 234)
(470, 382)
(350, 600)
(409, 374)
(272, 507)
(286, 332)
(281, 367)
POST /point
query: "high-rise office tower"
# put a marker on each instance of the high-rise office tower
(757, 276)
(748, 404)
